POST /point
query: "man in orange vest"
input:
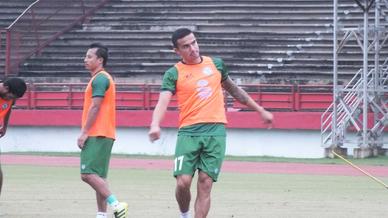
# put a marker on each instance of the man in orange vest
(99, 131)
(197, 82)
(10, 90)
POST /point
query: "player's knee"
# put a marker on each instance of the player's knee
(183, 182)
(85, 177)
(205, 182)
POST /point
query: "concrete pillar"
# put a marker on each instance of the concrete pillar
(339, 150)
(364, 152)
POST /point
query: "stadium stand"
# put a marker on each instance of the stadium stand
(42, 22)
(280, 52)
(278, 41)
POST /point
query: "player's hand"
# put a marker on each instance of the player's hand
(81, 140)
(2, 131)
(267, 118)
(154, 133)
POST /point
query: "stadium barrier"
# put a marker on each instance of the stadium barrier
(138, 96)
(60, 104)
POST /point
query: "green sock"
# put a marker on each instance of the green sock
(112, 201)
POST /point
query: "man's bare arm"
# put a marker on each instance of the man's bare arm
(242, 96)
(158, 114)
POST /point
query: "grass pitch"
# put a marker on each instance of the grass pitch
(34, 191)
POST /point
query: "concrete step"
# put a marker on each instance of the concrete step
(10, 10)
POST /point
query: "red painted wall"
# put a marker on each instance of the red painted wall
(142, 118)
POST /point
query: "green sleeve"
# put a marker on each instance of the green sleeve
(169, 80)
(221, 67)
(99, 85)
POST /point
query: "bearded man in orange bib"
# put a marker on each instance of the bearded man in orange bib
(197, 82)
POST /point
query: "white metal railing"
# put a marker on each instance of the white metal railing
(347, 110)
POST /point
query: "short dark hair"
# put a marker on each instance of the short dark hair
(178, 34)
(16, 86)
(101, 52)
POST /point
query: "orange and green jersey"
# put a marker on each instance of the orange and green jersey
(101, 85)
(5, 107)
(199, 94)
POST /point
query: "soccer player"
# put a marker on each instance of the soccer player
(10, 90)
(197, 81)
(98, 131)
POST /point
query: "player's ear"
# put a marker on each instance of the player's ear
(176, 50)
(101, 60)
(5, 88)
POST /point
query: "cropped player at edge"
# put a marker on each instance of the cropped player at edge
(197, 81)
(10, 90)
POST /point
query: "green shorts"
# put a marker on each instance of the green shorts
(205, 153)
(95, 156)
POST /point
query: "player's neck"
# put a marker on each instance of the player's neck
(97, 70)
(193, 62)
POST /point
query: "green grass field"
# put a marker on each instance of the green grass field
(32, 191)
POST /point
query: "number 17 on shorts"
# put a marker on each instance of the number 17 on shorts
(178, 163)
